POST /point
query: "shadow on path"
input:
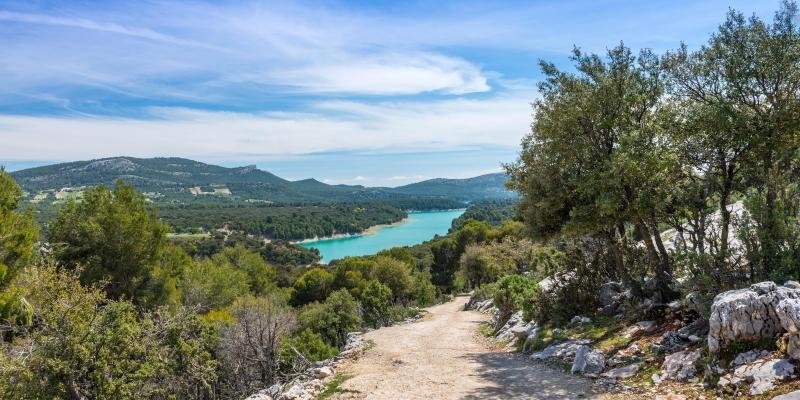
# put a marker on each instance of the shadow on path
(513, 376)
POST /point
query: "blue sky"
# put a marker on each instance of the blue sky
(369, 92)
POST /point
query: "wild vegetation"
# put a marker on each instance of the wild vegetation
(109, 306)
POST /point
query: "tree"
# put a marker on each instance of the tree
(477, 267)
(375, 302)
(596, 162)
(18, 233)
(741, 89)
(396, 275)
(113, 237)
(314, 285)
(209, 285)
(260, 275)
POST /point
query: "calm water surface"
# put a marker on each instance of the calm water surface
(421, 227)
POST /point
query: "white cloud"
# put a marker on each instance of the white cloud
(327, 126)
(409, 73)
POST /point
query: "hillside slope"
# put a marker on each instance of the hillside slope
(180, 180)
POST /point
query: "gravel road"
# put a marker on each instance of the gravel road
(443, 357)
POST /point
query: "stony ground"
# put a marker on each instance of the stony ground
(443, 357)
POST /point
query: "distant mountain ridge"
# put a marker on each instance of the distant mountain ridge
(181, 180)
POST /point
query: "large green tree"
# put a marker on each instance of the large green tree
(112, 236)
(595, 162)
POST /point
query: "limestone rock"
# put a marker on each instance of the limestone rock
(761, 375)
(788, 396)
(694, 302)
(749, 356)
(588, 361)
(751, 314)
(623, 372)
(564, 351)
(670, 342)
(678, 366)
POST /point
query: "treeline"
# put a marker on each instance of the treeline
(494, 212)
(284, 221)
(107, 306)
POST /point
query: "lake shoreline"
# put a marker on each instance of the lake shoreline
(366, 232)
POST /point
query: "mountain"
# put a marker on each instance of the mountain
(484, 187)
(180, 180)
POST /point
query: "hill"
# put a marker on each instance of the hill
(182, 181)
(484, 187)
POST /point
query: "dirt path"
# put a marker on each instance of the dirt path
(442, 357)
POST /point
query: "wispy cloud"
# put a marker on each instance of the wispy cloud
(325, 127)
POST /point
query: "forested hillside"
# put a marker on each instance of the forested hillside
(182, 181)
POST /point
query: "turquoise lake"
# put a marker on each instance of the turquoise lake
(421, 226)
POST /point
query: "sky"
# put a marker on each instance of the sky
(377, 93)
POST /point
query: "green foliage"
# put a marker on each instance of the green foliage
(375, 301)
(315, 285)
(477, 266)
(333, 319)
(510, 293)
(310, 345)
(85, 345)
(18, 233)
(209, 285)
(260, 275)
(279, 252)
(286, 222)
(114, 238)
(396, 275)
(494, 212)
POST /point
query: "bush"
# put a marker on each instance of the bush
(249, 349)
(333, 319)
(310, 346)
(509, 295)
(375, 301)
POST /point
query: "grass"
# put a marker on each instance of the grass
(370, 344)
(333, 386)
(486, 329)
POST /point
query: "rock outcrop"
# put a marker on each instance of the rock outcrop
(761, 375)
(759, 312)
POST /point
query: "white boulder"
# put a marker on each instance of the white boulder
(678, 366)
(588, 361)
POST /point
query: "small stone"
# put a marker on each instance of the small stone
(623, 372)
(323, 372)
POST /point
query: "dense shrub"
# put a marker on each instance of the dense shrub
(509, 295)
(333, 319)
(375, 302)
